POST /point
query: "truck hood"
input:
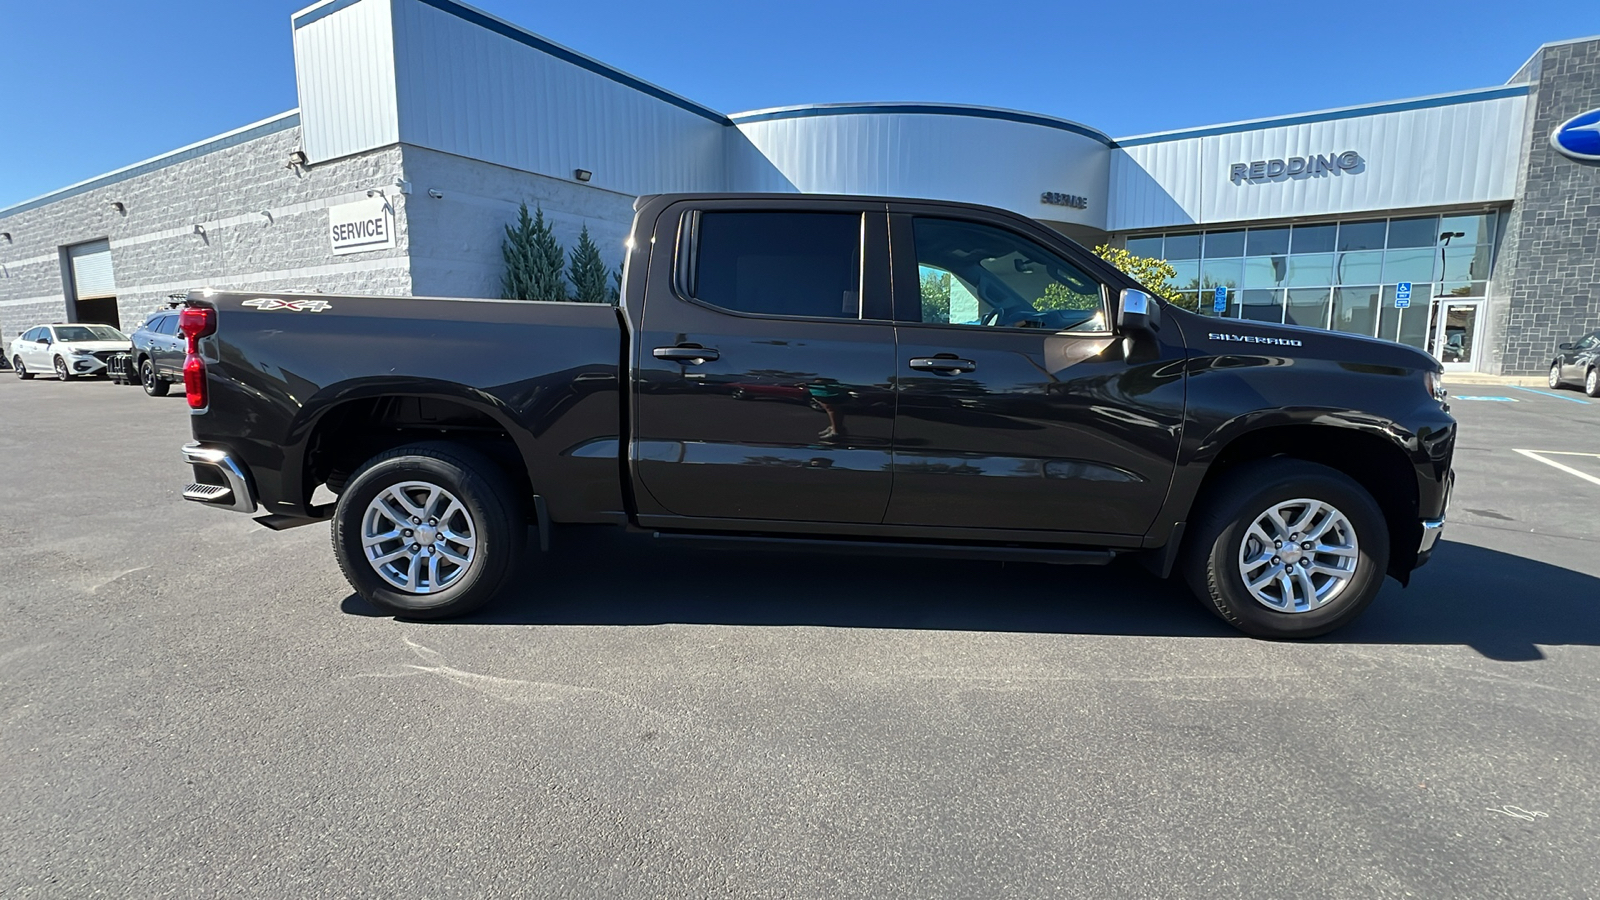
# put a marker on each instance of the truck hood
(95, 346)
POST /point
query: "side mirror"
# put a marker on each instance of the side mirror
(1137, 311)
(45, 340)
(1567, 346)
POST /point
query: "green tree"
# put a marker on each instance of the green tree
(533, 260)
(588, 272)
(1155, 274)
(616, 286)
(935, 296)
(1059, 296)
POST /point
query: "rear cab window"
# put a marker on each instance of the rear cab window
(789, 264)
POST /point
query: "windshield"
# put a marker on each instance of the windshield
(88, 333)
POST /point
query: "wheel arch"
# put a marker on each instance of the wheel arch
(340, 428)
(1375, 461)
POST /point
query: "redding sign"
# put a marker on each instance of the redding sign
(361, 226)
(1295, 166)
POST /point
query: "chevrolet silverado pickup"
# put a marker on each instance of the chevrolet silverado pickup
(848, 374)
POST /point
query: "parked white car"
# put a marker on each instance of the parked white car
(67, 350)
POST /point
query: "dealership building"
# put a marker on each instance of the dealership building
(1455, 222)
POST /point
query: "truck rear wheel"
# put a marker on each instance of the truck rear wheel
(428, 531)
(1287, 549)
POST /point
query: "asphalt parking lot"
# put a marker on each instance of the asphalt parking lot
(194, 706)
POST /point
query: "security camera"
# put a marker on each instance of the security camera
(435, 193)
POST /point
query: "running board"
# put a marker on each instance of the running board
(1051, 555)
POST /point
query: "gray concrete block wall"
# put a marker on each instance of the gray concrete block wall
(155, 251)
(1547, 275)
(456, 239)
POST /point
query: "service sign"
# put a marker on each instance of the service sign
(361, 226)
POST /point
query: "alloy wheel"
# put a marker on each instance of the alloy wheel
(61, 369)
(1298, 555)
(418, 537)
(1555, 375)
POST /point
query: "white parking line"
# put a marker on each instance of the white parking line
(1536, 454)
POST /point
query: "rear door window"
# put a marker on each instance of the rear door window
(791, 264)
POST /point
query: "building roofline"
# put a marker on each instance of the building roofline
(919, 108)
(523, 36)
(1547, 45)
(271, 125)
(1328, 115)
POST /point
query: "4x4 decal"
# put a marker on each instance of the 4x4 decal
(270, 303)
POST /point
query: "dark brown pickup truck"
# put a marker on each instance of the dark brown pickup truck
(839, 373)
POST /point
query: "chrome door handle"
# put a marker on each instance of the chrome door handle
(942, 364)
(687, 354)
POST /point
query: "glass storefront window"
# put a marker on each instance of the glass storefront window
(1261, 306)
(1308, 306)
(1182, 246)
(1220, 273)
(1475, 229)
(1355, 309)
(1224, 243)
(1313, 238)
(1310, 270)
(1410, 325)
(1186, 273)
(1145, 246)
(1265, 271)
(1267, 242)
(1418, 232)
(1362, 235)
(1409, 265)
(1465, 263)
(1364, 267)
(1463, 288)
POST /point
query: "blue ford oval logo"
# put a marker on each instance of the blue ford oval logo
(1579, 136)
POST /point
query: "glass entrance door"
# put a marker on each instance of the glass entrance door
(1456, 334)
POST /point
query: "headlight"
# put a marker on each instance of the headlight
(81, 352)
(1435, 384)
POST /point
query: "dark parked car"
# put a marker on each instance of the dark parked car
(1578, 362)
(158, 352)
(1049, 411)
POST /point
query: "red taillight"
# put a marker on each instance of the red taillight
(194, 381)
(196, 322)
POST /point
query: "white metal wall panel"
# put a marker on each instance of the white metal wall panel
(468, 90)
(940, 156)
(1450, 155)
(91, 270)
(344, 67)
(1153, 185)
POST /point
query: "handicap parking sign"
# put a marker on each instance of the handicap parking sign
(1221, 303)
(1402, 295)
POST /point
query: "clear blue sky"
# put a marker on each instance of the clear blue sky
(91, 85)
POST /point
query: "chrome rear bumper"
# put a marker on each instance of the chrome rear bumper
(220, 480)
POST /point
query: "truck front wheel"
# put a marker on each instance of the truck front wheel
(428, 531)
(1285, 548)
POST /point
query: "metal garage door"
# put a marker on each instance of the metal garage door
(91, 270)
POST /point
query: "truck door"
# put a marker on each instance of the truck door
(763, 364)
(1018, 407)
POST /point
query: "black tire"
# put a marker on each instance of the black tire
(153, 385)
(20, 369)
(1591, 382)
(489, 499)
(1211, 561)
(1555, 375)
(62, 372)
